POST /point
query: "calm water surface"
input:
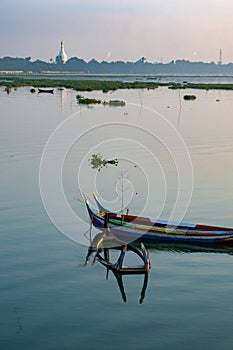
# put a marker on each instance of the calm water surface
(48, 300)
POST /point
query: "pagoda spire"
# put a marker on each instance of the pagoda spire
(62, 56)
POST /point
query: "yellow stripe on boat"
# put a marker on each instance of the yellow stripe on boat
(148, 228)
(158, 229)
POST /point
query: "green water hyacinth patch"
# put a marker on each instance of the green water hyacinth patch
(189, 97)
(98, 162)
(87, 101)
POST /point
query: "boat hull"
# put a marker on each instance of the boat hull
(46, 91)
(133, 228)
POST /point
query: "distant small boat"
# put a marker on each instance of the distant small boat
(48, 91)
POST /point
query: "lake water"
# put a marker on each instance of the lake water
(48, 300)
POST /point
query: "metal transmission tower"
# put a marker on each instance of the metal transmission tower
(220, 57)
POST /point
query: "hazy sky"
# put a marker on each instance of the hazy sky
(118, 29)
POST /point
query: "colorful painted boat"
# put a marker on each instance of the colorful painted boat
(132, 227)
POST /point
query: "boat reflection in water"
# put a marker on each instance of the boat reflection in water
(187, 248)
(104, 243)
(122, 290)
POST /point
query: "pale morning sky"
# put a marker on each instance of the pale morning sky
(118, 29)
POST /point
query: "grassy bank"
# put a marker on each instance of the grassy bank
(79, 85)
(105, 85)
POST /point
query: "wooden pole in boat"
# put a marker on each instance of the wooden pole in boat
(107, 232)
(106, 254)
(106, 224)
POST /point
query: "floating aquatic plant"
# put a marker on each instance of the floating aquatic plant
(189, 97)
(97, 161)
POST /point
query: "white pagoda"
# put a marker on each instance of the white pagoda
(62, 56)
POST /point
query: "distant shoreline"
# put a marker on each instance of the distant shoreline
(86, 84)
(141, 66)
(109, 75)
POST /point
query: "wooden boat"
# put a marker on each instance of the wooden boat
(48, 91)
(132, 227)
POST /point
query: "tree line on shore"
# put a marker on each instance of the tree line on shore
(141, 66)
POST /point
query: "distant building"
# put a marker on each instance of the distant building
(62, 56)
